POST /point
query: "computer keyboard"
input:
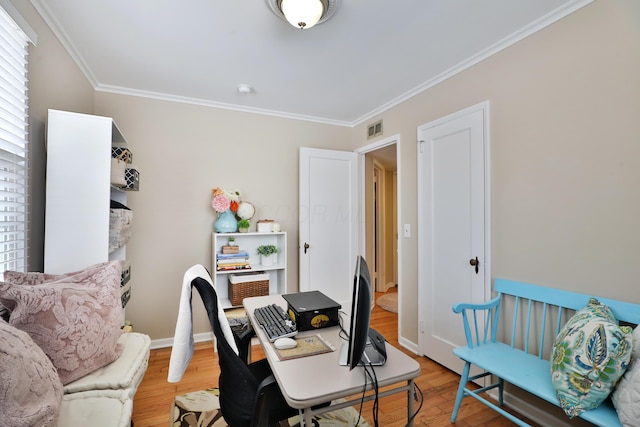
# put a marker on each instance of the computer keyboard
(275, 322)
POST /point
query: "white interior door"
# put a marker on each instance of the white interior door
(452, 225)
(330, 218)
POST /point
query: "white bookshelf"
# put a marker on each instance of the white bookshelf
(249, 242)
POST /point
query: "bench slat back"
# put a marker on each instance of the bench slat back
(623, 311)
(480, 321)
(529, 330)
(530, 308)
(529, 317)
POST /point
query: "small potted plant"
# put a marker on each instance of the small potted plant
(244, 225)
(232, 241)
(268, 254)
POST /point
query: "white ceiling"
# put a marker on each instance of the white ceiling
(371, 55)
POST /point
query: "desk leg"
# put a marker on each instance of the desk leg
(307, 418)
(410, 394)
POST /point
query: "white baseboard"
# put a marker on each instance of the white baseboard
(409, 345)
(389, 285)
(168, 342)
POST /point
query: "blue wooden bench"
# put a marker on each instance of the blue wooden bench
(518, 352)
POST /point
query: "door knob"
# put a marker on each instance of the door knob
(306, 246)
(474, 263)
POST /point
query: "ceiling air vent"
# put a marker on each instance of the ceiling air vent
(374, 129)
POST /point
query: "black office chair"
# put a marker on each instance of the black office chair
(249, 393)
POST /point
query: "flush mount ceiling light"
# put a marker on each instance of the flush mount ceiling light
(304, 14)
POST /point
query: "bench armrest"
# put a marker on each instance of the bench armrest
(480, 321)
(458, 308)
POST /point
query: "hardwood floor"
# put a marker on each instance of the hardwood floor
(155, 395)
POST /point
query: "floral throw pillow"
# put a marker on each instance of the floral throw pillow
(75, 318)
(31, 278)
(30, 390)
(37, 278)
(590, 354)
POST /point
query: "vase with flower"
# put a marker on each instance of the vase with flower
(225, 203)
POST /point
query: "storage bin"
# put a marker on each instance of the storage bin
(132, 176)
(243, 286)
(119, 227)
(125, 294)
(264, 226)
(125, 276)
(116, 151)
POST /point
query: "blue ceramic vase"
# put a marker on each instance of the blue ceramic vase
(226, 223)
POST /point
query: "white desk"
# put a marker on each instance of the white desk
(312, 380)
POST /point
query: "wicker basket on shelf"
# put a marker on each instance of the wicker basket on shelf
(243, 286)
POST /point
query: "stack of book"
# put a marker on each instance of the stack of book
(233, 261)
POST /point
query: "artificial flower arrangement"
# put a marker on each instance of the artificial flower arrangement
(224, 200)
(230, 209)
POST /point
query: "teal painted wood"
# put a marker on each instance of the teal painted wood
(490, 310)
(623, 311)
(530, 371)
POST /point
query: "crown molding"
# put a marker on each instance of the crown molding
(64, 39)
(506, 42)
(215, 104)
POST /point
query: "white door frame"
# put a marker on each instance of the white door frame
(391, 140)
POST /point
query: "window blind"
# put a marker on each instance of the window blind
(13, 145)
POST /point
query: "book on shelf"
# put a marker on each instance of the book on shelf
(243, 260)
(233, 267)
(238, 265)
(240, 254)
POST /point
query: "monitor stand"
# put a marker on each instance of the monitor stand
(375, 352)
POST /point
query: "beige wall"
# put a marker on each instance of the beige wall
(564, 162)
(183, 151)
(565, 145)
(564, 150)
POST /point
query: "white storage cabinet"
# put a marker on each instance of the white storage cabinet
(249, 242)
(79, 190)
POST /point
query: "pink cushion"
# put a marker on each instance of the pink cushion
(31, 278)
(75, 318)
(30, 390)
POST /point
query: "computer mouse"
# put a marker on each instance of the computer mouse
(285, 343)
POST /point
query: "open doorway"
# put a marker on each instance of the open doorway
(380, 187)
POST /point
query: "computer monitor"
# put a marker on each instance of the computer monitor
(365, 346)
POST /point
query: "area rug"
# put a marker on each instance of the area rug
(345, 417)
(388, 302)
(202, 408)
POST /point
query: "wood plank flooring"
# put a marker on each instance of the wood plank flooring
(154, 398)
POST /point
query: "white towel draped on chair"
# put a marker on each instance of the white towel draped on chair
(183, 343)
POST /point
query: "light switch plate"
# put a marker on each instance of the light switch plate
(407, 230)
